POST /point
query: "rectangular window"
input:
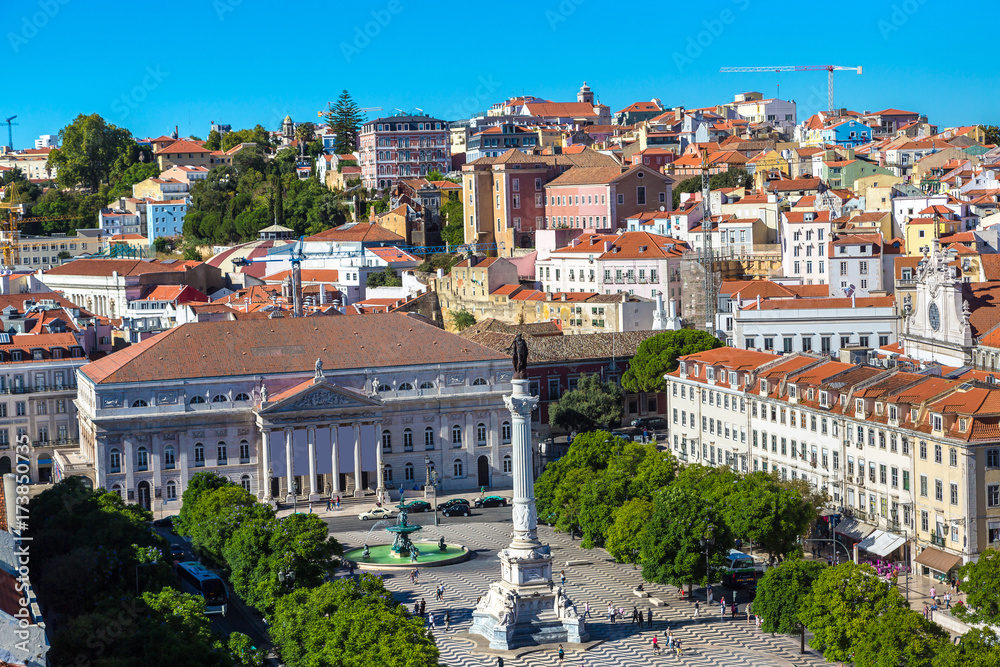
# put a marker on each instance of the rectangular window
(924, 523)
(954, 493)
(923, 486)
(938, 490)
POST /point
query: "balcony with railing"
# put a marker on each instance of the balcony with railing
(38, 388)
(937, 540)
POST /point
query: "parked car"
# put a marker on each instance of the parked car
(376, 513)
(454, 501)
(491, 501)
(176, 551)
(418, 506)
(629, 434)
(650, 423)
(165, 522)
(457, 507)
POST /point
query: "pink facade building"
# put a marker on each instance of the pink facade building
(402, 147)
(603, 198)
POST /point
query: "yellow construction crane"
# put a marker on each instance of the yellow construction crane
(9, 234)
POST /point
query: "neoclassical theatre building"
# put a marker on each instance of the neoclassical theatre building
(295, 406)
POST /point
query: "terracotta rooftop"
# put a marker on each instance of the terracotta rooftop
(357, 232)
(285, 345)
(124, 267)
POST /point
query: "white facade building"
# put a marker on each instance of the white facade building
(804, 243)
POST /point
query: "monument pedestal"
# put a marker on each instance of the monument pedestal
(525, 608)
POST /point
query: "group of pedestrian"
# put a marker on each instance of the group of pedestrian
(673, 643)
(414, 574)
(440, 593)
(331, 503)
(637, 617)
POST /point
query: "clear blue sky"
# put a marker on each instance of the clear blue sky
(150, 66)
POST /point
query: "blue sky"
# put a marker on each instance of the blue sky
(150, 66)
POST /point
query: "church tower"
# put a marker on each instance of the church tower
(936, 320)
(287, 130)
(585, 95)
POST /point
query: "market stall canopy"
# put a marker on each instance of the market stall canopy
(854, 529)
(940, 561)
(881, 543)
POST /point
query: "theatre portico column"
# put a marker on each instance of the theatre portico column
(311, 437)
(289, 463)
(335, 455)
(359, 491)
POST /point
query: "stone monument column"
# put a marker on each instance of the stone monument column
(311, 438)
(525, 535)
(525, 607)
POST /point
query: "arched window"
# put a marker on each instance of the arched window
(408, 472)
(115, 461)
(245, 482)
(428, 438)
(169, 460)
(384, 387)
(508, 464)
(480, 433)
(406, 386)
(142, 459)
(458, 468)
(244, 451)
(387, 473)
(456, 435)
(223, 455)
(242, 396)
(407, 440)
(195, 400)
(478, 382)
(171, 490)
(199, 454)
(386, 441)
(219, 398)
(426, 385)
(117, 488)
(505, 432)
(140, 404)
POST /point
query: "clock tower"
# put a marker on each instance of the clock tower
(936, 319)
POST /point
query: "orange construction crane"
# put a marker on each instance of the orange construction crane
(10, 234)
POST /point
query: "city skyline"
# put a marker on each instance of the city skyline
(225, 64)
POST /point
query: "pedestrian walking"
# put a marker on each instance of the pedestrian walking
(735, 609)
(670, 639)
(649, 617)
(562, 654)
(749, 606)
(636, 617)
(447, 619)
(416, 609)
(586, 610)
(656, 647)
(499, 661)
(611, 613)
(423, 606)
(645, 435)
(430, 620)
(329, 505)
(947, 600)
(722, 608)
(562, 577)
(677, 645)
(697, 606)
(933, 592)
(338, 502)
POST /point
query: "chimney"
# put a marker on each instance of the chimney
(854, 303)
(562, 297)
(758, 302)
(678, 113)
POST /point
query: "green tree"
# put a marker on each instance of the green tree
(345, 117)
(657, 356)
(732, 178)
(279, 201)
(977, 648)
(900, 637)
(305, 132)
(688, 185)
(462, 319)
(593, 404)
(771, 516)
(453, 232)
(780, 594)
(200, 483)
(161, 245)
(350, 622)
(243, 653)
(136, 173)
(434, 175)
(844, 601)
(192, 255)
(981, 583)
(215, 516)
(385, 278)
(671, 545)
(90, 151)
(214, 141)
(991, 134)
(250, 158)
(625, 537)
(64, 254)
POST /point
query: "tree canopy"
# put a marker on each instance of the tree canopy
(981, 582)
(387, 277)
(345, 117)
(901, 637)
(844, 602)
(771, 515)
(90, 151)
(593, 404)
(657, 356)
(781, 591)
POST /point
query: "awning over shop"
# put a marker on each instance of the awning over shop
(881, 543)
(44, 462)
(854, 529)
(940, 561)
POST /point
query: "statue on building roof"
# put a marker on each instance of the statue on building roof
(519, 355)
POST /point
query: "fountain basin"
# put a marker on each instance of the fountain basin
(383, 558)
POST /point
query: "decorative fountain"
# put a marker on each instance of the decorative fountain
(403, 552)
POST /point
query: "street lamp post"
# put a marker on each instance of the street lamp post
(434, 485)
(427, 480)
(706, 543)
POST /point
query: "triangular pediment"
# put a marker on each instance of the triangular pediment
(318, 395)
